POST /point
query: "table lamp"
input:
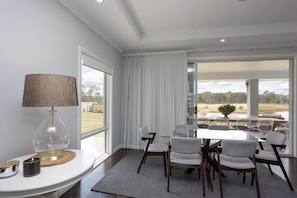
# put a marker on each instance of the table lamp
(49, 90)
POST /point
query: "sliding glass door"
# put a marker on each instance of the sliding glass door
(256, 88)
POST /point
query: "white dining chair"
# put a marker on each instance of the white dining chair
(277, 141)
(237, 155)
(186, 153)
(265, 126)
(283, 128)
(151, 148)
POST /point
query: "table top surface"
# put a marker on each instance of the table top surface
(51, 178)
(212, 134)
(226, 134)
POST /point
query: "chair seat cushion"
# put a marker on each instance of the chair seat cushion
(158, 147)
(266, 155)
(235, 162)
(189, 159)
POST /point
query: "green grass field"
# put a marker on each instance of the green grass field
(91, 121)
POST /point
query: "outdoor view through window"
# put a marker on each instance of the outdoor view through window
(216, 83)
(93, 110)
(256, 89)
(273, 96)
(92, 99)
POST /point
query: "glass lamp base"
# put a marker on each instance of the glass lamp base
(51, 138)
(51, 155)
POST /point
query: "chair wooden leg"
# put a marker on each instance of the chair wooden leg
(145, 158)
(202, 174)
(168, 182)
(168, 169)
(286, 176)
(214, 167)
(257, 184)
(220, 181)
(271, 172)
(168, 176)
(142, 161)
(280, 163)
(164, 158)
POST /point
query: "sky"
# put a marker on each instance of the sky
(278, 87)
(91, 77)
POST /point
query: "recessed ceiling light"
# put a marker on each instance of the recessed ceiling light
(222, 40)
(100, 1)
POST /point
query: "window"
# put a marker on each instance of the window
(92, 99)
(95, 91)
(270, 97)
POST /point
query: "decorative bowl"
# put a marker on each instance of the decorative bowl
(9, 168)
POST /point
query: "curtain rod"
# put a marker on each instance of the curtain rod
(146, 53)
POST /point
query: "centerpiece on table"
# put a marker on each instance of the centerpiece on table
(226, 109)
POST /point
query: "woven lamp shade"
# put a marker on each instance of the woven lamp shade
(44, 90)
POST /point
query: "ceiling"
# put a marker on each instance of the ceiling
(192, 25)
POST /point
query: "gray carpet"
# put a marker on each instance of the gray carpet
(123, 180)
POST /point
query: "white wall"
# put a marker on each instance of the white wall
(43, 37)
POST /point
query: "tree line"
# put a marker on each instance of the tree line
(92, 94)
(241, 97)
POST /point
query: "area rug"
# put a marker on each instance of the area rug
(123, 180)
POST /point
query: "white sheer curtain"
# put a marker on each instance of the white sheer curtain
(154, 94)
(131, 103)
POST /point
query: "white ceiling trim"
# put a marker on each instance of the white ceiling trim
(239, 31)
(130, 18)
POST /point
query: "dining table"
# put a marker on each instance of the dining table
(208, 134)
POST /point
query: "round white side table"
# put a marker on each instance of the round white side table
(50, 179)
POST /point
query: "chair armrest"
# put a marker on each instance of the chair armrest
(261, 145)
(153, 136)
(150, 139)
(282, 146)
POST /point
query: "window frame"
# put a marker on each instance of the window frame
(107, 68)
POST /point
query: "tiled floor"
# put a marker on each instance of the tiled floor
(83, 188)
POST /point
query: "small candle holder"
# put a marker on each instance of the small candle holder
(31, 167)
